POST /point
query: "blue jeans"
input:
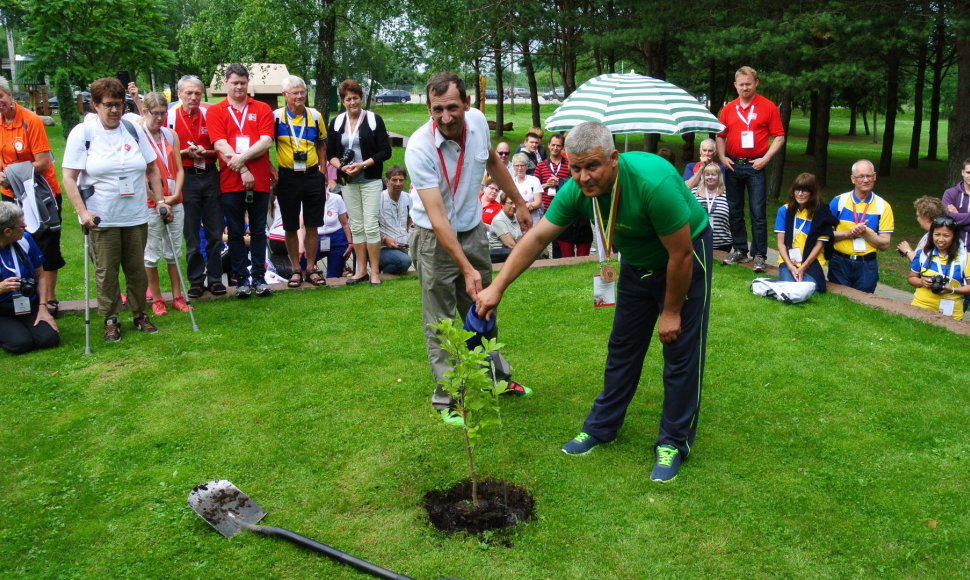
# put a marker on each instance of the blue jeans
(394, 261)
(335, 255)
(862, 276)
(735, 183)
(814, 274)
(235, 206)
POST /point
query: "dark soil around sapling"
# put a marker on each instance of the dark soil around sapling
(500, 505)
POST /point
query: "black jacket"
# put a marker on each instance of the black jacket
(823, 223)
(374, 144)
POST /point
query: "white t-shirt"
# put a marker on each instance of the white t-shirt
(331, 214)
(531, 191)
(501, 225)
(114, 165)
(424, 167)
(393, 218)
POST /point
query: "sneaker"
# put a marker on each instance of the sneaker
(216, 288)
(736, 257)
(197, 291)
(244, 290)
(143, 324)
(452, 417)
(667, 465)
(514, 388)
(148, 296)
(581, 445)
(158, 308)
(760, 264)
(262, 288)
(112, 330)
(180, 304)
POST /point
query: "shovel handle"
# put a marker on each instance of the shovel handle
(331, 553)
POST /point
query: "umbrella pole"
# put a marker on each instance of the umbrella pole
(626, 143)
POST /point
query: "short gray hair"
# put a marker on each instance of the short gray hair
(708, 142)
(520, 158)
(5, 85)
(859, 162)
(188, 79)
(588, 136)
(10, 214)
(292, 81)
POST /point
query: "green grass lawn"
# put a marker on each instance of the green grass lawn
(832, 443)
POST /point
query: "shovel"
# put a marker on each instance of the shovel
(229, 510)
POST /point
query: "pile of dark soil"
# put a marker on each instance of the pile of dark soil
(500, 505)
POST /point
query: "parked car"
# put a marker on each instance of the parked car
(85, 99)
(491, 94)
(393, 97)
(556, 94)
(521, 93)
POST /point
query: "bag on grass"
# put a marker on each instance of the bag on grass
(788, 292)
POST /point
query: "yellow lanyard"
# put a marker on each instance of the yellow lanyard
(606, 242)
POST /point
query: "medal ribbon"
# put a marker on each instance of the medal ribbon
(605, 245)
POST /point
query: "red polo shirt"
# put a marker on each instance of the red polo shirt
(192, 128)
(256, 120)
(761, 116)
(22, 139)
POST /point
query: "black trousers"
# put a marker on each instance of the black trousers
(640, 300)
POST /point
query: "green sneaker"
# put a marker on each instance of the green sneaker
(452, 417)
(667, 465)
(581, 445)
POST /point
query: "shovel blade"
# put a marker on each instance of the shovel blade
(215, 500)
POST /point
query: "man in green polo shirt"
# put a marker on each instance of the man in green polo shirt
(662, 232)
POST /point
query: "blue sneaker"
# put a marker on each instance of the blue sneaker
(667, 465)
(581, 445)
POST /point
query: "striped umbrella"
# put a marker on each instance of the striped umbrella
(632, 103)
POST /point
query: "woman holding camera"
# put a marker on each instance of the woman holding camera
(358, 145)
(24, 326)
(939, 270)
(106, 162)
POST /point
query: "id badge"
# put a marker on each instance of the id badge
(324, 244)
(171, 187)
(551, 192)
(299, 165)
(795, 255)
(604, 293)
(946, 306)
(21, 304)
(198, 164)
(858, 244)
(747, 139)
(242, 143)
(126, 187)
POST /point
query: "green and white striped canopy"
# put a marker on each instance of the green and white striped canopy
(632, 103)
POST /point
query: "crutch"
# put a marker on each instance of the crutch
(171, 245)
(87, 291)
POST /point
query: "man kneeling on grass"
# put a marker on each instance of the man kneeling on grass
(664, 236)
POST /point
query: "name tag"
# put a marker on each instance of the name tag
(551, 192)
(324, 244)
(299, 165)
(198, 163)
(946, 307)
(747, 139)
(126, 187)
(21, 304)
(242, 143)
(858, 244)
(795, 255)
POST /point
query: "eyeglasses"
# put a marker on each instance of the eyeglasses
(296, 93)
(865, 177)
(944, 221)
(158, 114)
(114, 106)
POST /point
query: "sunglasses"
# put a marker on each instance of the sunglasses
(503, 153)
(944, 221)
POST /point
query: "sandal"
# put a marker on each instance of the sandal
(296, 280)
(315, 278)
(53, 307)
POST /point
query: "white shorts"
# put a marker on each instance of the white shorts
(158, 245)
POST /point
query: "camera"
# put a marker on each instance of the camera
(300, 156)
(347, 158)
(938, 283)
(28, 287)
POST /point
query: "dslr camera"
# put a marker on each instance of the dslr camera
(28, 287)
(938, 283)
(300, 156)
(347, 158)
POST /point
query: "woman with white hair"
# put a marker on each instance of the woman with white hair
(528, 185)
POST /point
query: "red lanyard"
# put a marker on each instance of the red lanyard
(444, 167)
(197, 133)
(865, 211)
(162, 153)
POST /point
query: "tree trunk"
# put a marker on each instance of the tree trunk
(939, 38)
(687, 151)
(853, 113)
(479, 85)
(914, 141)
(324, 68)
(822, 133)
(650, 142)
(776, 169)
(958, 140)
(530, 73)
(865, 120)
(892, 105)
(499, 92)
(812, 121)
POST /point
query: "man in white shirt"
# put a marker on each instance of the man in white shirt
(446, 158)
(395, 223)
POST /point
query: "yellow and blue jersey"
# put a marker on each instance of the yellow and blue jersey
(849, 210)
(298, 133)
(800, 227)
(933, 264)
